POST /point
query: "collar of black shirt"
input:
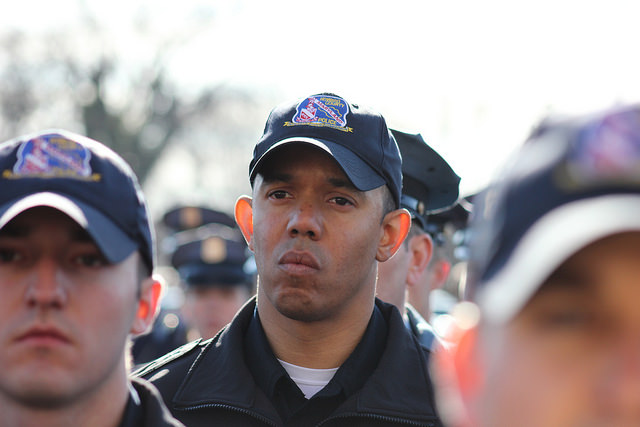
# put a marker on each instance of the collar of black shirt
(283, 392)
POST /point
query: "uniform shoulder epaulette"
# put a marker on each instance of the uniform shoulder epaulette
(163, 360)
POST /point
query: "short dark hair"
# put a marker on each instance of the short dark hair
(143, 273)
(414, 230)
(388, 202)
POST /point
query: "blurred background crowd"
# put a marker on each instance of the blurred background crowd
(181, 90)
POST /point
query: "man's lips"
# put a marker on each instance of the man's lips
(298, 262)
(43, 335)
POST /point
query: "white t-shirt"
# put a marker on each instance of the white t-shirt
(310, 381)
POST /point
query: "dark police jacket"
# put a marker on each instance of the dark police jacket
(147, 408)
(206, 383)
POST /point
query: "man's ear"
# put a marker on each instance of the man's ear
(421, 249)
(148, 304)
(395, 227)
(458, 375)
(439, 272)
(244, 218)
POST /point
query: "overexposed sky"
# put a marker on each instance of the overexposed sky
(472, 76)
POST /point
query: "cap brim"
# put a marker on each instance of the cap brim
(114, 244)
(361, 175)
(548, 243)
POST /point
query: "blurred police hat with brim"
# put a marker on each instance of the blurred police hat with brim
(212, 261)
(187, 217)
(574, 181)
(429, 184)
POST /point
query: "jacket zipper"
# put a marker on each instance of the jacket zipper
(271, 423)
(231, 408)
(380, 418)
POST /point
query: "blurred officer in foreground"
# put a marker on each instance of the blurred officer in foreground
(555, 275)
(75, 282)
(215, 282)
(428, 183)
(315, 347)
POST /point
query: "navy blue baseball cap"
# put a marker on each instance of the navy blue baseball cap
(212, 261)
(356, 137)
(429, 184)
(82, 178)
(575, 181)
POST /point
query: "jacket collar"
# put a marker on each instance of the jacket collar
(219, 376)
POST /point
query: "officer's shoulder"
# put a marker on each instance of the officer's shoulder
(192, 348)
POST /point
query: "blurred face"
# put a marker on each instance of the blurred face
(65, 313)
(315, 236)
(572, 356)
(209, 308)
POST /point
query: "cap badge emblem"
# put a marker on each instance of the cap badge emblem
(322, 110)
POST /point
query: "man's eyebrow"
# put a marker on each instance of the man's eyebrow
(566, 277)
(13, 230)
(271, 177)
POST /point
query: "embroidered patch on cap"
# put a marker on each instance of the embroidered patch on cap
(52, 156)
(607, 152)
(322, 110)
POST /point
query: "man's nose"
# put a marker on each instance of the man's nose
(305, 220)
(45, 286)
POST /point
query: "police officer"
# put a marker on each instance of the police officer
(315, 346)
(76, 262)
(428, 184)
(213, 273)
(553, 335)
(440, 290)
(183, 226)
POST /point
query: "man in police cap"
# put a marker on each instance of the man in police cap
(438, 293)
(553, 335)
(428, 184)
(76, 262)
(209, 295)
(315, 346)
(216, 283)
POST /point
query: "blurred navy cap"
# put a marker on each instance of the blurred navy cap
(186, 217)
(575, 181)
(82, 178)
(357, 138)
(429, 183)
(456, 216)
(212, 261)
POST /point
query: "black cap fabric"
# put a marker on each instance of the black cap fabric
(212, 261)
(82, 178)
(575, 181)
(429, 183)
(357, 138)
(456, 216)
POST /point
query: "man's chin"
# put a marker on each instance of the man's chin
(41, 396)
(300, 310)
